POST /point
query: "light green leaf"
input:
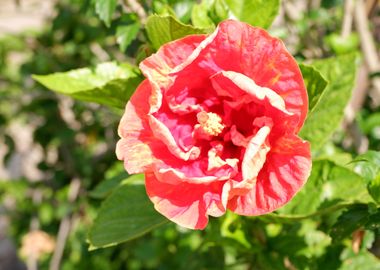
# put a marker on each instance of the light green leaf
(367, 164)
(255, 12)
(328, 112)
(342, 45)
(125, 34)
(200, 18)
(126, 214)
(220, 11)
(105, 10)
(109, 84)
(236, 233)
(364, 260)
(163, 29)
(315, 85)
(329, 187)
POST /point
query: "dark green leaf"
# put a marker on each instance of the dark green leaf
(163, 29)
(105, 187)
(328, 113)
(125, 34)
(315, 85)
(109, 84)
(349, 221)
(255, 12)
(374, 221)
(126, 214)
(329, 187)
(105, 10)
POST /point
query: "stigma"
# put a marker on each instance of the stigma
(210, 122)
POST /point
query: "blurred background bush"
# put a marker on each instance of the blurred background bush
(55, 150)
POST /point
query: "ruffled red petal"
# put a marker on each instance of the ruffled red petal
(187, 204)
(286, 170)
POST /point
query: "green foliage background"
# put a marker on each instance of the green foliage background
(89, 51)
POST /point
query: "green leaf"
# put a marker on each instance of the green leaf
(163, 29)
(374, 188)
(349, 221)
(330, 187)
(199, 16)
(219, 11)
(235, 233)
(109, 84)
(126, 214)
(367, 164)
(255, 12)
(328, 112)
(369, 123)
(315, 85)
(342, 45)
(125, 34)
(364, 260)
(105, 10)
(374, 221)
(104, 188)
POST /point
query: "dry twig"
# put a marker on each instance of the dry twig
(348, 18)
(64, 227)
(368, 47)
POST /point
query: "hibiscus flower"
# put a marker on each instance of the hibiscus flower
(214, 126)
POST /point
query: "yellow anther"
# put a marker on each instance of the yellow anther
(211, 123)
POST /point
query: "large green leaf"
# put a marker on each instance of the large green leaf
(105, 10)
(163, 29)
(315, 85)
(255, 12)
(109, 84)
(328, 112)
(126, 214)
(330, 187)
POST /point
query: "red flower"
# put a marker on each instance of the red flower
(214, 126)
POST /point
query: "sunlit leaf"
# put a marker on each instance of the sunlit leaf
(255, 12)
(109, 83)
(328, 112)
(329, 187)
(315, 85)
(163, 29)
(125, 34)
(105, 10)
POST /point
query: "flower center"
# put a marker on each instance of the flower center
(211, 123)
